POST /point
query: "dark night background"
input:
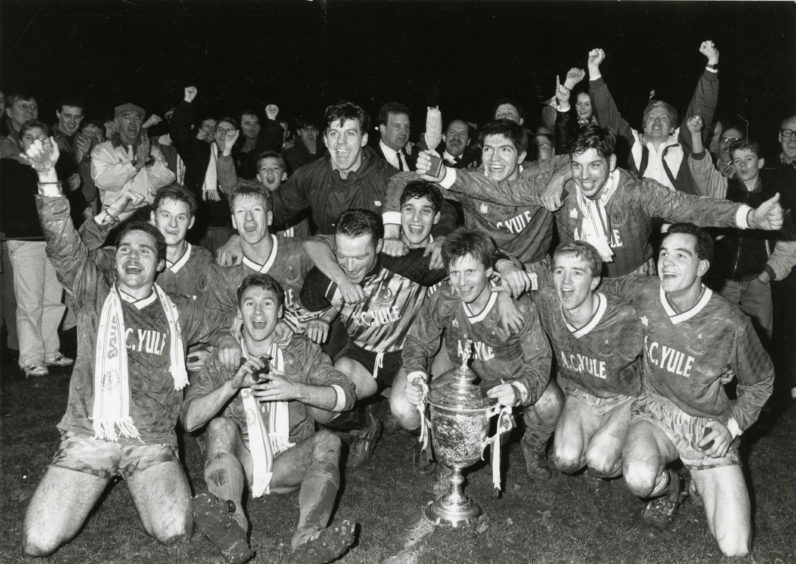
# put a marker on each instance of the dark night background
(303, 55)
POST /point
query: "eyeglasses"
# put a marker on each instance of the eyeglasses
(787, 133)
(729, 139)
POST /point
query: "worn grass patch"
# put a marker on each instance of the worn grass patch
(562, 520)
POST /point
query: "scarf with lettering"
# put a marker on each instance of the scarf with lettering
(268, 425)
(596, 227)
(111, 411)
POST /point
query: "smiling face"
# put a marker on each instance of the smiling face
(417, 219)
(69, 118)
(658, 124)
(590, 171)
(788, 140)
(574, 282)
(500, 158)
(356, 256)
(345, 140)
(456, 138)
(21, 111)
(470, 277)
(172, 218)
(396, 133)
(137, 261)
(251, 217)
(583, 107)
(679, 268)
(259, 310)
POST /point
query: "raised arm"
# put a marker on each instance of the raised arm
(708, 180)
(181, 131)
(706, 95)
(604, 106)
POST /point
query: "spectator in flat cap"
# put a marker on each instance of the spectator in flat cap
(127, 160)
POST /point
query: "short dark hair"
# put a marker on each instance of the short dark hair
(264, 281)
(358, 222)
(704, 242)
(671, 110)
(271, 155)
(251, 188)
(422, 189)
(745, 145)
(392, 108)
(247, 112)
(584, 251)
(594, 137)
(510, 101)
(303, 122)
(463, 242)
(344, 111)
(511, 130)
(70, 101)
(178, 193)
(146, 227)
(30, 124)
(235, 123)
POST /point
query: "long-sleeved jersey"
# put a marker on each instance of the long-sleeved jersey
(689, 356)
(603, 357)
(304, 363)
(154, 403)
(630, 211)
(523, 359)
(395, 290)
(288, 264)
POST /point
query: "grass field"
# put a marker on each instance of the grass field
(559, 521)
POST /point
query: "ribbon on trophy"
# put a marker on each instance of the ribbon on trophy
(505, 423)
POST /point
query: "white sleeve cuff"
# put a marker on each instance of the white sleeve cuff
(598, 76)
(741, 215)
(391, 218)
(341, 400)
(50, 189)
(522, 391)
(714, 71)
(563, 108)
(415, 375)
(450, 177)
(733, 428)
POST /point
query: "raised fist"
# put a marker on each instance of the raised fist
(596, 57)
(190, 93)
(272, 110)
(694, 124)
(562, 92)
(574, 75)
(708, 48)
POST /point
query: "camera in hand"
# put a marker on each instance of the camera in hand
(261, 374)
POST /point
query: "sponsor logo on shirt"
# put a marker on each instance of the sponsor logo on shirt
(481, 351)
(614, 242)
(381, 316)
(581, 363)
(517, 223)
(145, 340)
(668, 359)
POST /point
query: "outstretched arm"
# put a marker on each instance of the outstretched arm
(604, 106)
(706, 95)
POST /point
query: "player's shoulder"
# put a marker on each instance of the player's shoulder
(720, 309)
(201, 255)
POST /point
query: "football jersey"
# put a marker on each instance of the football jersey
(395, 289)
(496, 356)
(288, 264)
(187, 275)
(603, 357)
(689, 356)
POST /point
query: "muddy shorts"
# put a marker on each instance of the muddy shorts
(602, 408)
(383, 366)
(683, 430)
(106, 459)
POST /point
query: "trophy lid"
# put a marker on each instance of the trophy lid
(462, 390)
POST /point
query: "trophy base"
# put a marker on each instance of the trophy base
(445, 512)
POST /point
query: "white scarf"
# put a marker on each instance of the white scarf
(595, 227)
(211, 174)
(268, 425)
(111, 411)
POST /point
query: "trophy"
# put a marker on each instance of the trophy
(460, 415)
